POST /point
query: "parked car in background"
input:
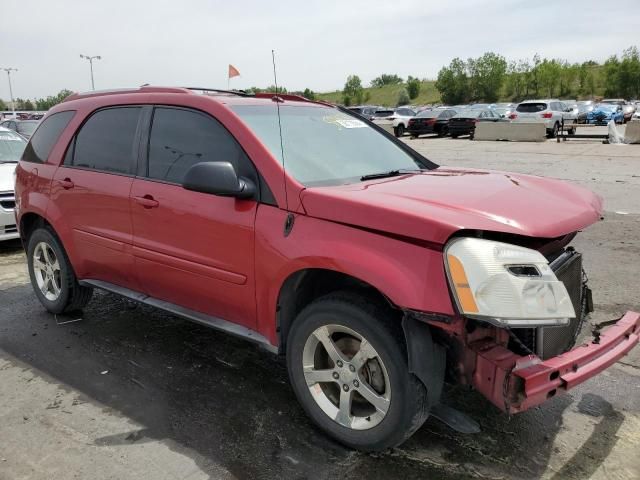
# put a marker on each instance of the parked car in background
(376, 275)
(366, 111)
(394, 120)
(551, 112)
(584, 107)
(430, 121)
(603, 113)
(464, 122)
(627, 108)
(505, 109)
(11, 147)
(23, 127)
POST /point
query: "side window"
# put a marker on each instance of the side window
(181, 138)
(106, 141)
(46, 136)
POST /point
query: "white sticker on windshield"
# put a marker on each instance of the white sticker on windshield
(345, 122)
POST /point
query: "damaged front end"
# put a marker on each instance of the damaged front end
(518, 362)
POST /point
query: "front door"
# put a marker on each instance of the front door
(193, 249)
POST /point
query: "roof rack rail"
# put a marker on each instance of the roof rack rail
(117, 91)
(291, 96)
(240, 93)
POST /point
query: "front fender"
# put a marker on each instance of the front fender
(408, 274)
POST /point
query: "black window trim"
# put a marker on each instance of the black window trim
(136, 143)
(142, 173)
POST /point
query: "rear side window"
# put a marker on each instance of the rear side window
(106, 142)
(531, 107)
(46, 136)
(181, 138)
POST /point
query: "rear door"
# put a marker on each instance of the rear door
(193, 249)
(90, 191)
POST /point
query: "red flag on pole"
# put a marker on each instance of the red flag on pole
(233, 71)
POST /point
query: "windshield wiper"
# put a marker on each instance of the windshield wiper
(391, 173)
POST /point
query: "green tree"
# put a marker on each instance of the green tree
(413, 87)
(453, 82)
(308, 93)
(353, 90)
(517, 79)
(403, 97)
(386, 79)
(629, 74)
(611, 71)
(3, 106)
(51, 100)
(28, 105)
(487, 75)
(549, 73)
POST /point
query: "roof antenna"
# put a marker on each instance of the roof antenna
(278, 100)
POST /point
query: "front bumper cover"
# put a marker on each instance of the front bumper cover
(516, 383)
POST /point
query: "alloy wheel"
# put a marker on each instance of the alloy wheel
(346, 377)
(46, 269)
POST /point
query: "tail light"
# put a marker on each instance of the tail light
(547, 115)
(431, 121)
(412, 121)
(513, 116)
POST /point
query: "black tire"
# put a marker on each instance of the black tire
(413, 137)
(553, 133)
(399, 130)
(72, 296)
(443, 131)
(454, 135)
(407, 407)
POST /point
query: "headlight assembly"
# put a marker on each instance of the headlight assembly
(505, 284)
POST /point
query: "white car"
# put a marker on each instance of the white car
(549, 112)
(636, 115)
(11, 147)
(395, 121)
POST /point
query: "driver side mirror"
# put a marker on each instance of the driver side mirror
(218, 178)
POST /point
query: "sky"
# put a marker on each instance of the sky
(317, 43)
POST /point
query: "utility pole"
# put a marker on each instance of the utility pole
(91, 59)
(9, 70)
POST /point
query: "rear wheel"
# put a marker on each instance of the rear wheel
(454, 135)
(51, 275)
(444, 130)
(399, 130)
(553, 133)
(347, 365)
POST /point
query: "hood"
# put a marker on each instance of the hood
(433, 205)
(6, 176)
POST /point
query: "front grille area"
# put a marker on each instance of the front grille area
(9, 229)
(547, 342)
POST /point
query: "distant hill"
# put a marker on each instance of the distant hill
(388, 95)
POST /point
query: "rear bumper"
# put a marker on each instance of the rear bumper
(461, 129)
(515, 383)
(420, 130)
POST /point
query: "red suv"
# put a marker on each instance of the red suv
(313, 232)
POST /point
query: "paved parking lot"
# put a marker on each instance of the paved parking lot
(130, 392)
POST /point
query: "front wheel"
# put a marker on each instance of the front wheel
(399, 130)
(52, 276)
(347, 365)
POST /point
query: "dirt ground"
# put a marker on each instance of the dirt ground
(131, 392)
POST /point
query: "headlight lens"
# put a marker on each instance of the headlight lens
(505, 284)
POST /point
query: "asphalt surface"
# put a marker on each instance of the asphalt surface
(131, 392)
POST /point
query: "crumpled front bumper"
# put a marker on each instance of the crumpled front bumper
(516, 383)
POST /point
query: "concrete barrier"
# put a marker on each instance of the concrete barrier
(514, 132)
(632, 132)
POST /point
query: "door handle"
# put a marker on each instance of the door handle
(147, 201)
(66, 183)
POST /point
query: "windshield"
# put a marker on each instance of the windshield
(429, 113)
(27, 128)
(324, 146)
(469, 113)
(11, 147)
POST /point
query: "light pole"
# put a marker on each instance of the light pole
(91, 59)
(9, 70)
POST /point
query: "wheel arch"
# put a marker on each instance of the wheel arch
(305, 285)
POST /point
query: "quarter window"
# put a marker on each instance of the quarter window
(46, 136)
(106, 142)
(181, 138)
